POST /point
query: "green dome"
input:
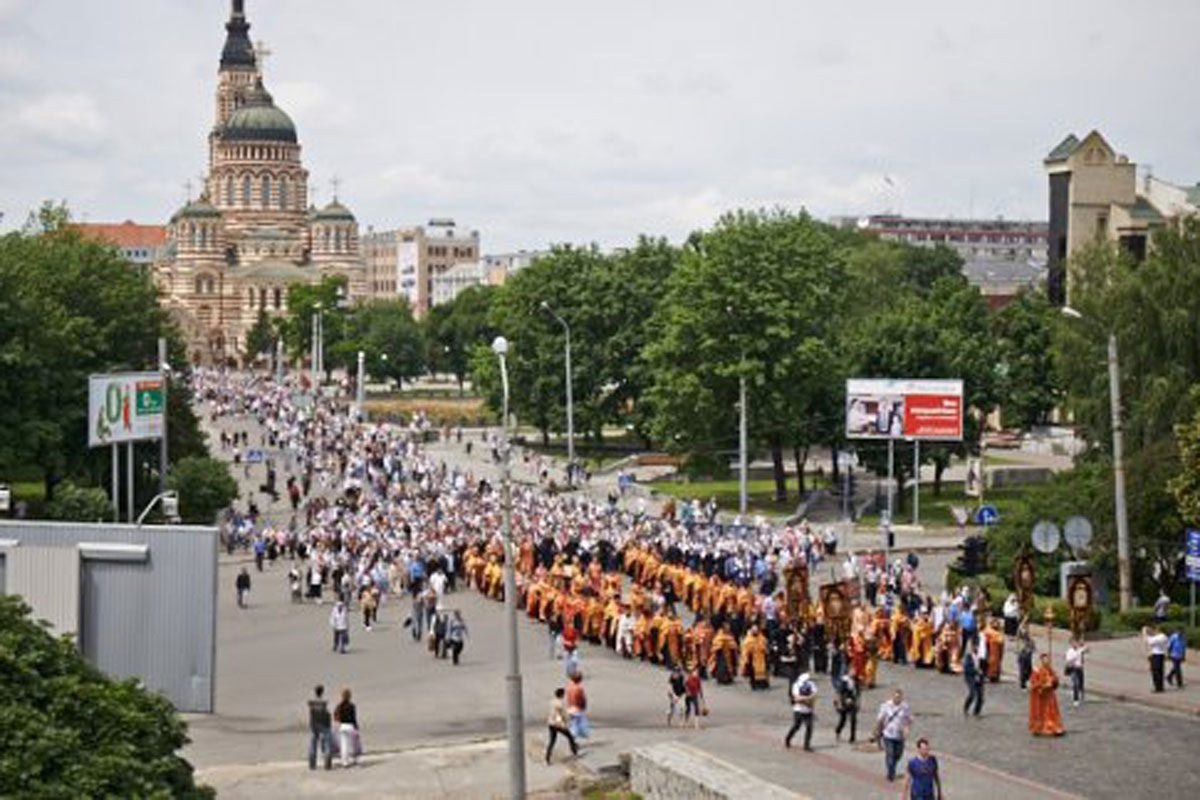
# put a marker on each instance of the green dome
(334, 212)
(197, 209)
(259, 120)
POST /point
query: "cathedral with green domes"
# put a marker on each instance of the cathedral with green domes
(252, 233)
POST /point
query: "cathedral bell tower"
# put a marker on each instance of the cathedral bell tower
(239, 67)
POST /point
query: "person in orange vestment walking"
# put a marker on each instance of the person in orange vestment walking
(1044, 719)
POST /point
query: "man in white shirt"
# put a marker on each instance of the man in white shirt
(438, 584)
(1156, 651)
(892, 726)
(804, 697)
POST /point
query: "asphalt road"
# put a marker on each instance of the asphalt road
(271, 654)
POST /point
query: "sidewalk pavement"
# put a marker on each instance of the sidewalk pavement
(1118, 669)
(468, 770)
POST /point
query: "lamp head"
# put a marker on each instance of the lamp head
(170, 505)
(500, 346)
(1067, 311)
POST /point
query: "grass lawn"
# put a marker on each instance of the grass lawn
(760, 494)
(936, 510)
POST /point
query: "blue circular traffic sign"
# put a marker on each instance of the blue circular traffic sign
(987, 515)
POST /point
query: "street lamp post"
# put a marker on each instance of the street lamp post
(1124, 570)
(742, 442)
(570, 401)
(516, 716)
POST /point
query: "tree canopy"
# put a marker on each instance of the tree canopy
(67, 730)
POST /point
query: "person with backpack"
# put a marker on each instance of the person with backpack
(845, 701)
(804, 698)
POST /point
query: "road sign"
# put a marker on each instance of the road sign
(1078, 533)
(987, 515)
(254, 456)
(1045, 537)
(1193, 555)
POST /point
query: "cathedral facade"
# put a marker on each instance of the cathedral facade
(236, 250)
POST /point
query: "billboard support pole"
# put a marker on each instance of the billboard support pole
(162, 377)
(116, 483)
(887, 538)
(742, 446)
(916, 481)
(129, 477)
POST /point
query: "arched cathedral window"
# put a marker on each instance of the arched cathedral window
(266, 191)
(246, 190)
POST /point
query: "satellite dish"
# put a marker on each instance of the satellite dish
(1045, 537)
(1078, 533)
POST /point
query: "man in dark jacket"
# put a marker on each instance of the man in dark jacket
(320, 729)
(243, 586)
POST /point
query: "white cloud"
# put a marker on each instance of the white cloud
(67, 118)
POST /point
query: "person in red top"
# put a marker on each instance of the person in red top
(693, 700)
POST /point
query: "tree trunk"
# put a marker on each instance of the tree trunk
(800, 455)
(777, 468)
(938, 467)
(836, 475)
(545, 436)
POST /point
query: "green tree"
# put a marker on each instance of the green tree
(454, 329)
(754, 298)
(1185, 486)
(67, 730)
(205, 487)
(69, 308)
(1025, 334)
(303, 302)
(261, 338)
(392, 342)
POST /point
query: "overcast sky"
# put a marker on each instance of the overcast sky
(539, 121)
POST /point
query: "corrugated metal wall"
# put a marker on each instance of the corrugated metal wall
(154, 619)
(48, 579)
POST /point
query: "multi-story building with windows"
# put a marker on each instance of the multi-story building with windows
(1000, 256)
(405, 262)
(251, 234)
(1097, 193)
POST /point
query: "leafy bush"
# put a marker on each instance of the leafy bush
(1140, 616)
(67, 730)
(205, 487)
(73, 503)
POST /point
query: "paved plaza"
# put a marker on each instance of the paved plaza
(434, 730)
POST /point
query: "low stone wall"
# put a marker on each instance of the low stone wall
(676, 771)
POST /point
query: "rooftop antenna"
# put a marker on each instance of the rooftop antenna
(336, 183)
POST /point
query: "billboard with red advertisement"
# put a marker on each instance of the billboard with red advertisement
(904, 409)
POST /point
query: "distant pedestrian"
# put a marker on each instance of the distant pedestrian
(676, 690)
(456, 636)
(320, 729)
(339, 620)
(804, 698)
(922, 781)
(1161, 606)
(1025, 652)
(1156, 651)
(349, 743)
(577, 707)
(973, 676)
(693, 701)
(892, 726)
(557, 723)
(243, 587)
(1177, 652)
(1073, 667)
(845, 702)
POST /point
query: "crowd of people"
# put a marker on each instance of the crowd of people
(375, 516)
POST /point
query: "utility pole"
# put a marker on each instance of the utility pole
(360, 388)
(1124, 571)
(742, 444)
(570, 400)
